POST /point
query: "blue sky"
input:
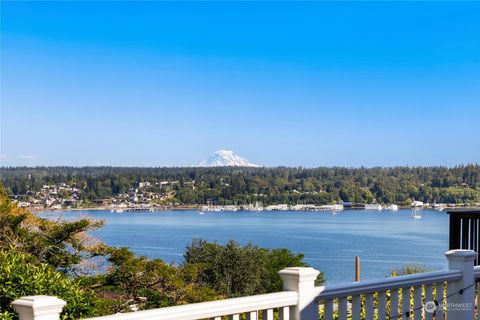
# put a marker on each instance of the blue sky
(312, 84)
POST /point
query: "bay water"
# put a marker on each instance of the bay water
(384, 241)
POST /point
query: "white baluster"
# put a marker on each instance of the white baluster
(342, 308)
(253, 315)
(217, 318)
(450, 291)
(369, 308)
(393, 304)
(406, 303)
(284, 313)
(234, 317)
(382, 305)
(428, 299)
(356, 307)
(439, 297)
(267, 314)
(328, 310)
(417, 302)
(476, 301)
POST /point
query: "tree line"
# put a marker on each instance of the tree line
(238, 185)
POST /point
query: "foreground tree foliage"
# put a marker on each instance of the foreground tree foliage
(409, 269)
(39, 256)
(234, 270)
(160, 283)
(62, 244)
(22, 275)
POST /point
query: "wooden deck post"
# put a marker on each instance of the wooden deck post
(357, 268)
(301, 280)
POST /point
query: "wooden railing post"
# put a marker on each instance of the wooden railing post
(38, 308)
(461, 294)
(301, 280)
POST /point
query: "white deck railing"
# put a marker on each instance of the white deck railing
(374, 295)
(265, 303)
(448, 294)
(476, 272)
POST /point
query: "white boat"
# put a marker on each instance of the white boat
(230, 208)
(334, 212)
(392, 207)
(373, 206)
(439, 206)
(258, 206)
(250, 207)
(277, 207)
(415, 215)
(209, 208)
(327, 207)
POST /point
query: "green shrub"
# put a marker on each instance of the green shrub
(234, 270)
(21, 276)
(409, 269)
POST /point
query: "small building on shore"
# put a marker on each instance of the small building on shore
(417, 204)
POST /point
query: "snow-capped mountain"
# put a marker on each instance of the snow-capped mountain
(226, 158)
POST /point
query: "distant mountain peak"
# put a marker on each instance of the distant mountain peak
(226, 158)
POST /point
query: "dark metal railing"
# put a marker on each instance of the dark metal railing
(465, 230)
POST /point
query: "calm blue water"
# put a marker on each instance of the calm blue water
(383, 240)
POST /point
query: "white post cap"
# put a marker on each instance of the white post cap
(461, 254)
(39, 307)
(300, 273)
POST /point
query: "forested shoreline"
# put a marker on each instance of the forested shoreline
(240, 185)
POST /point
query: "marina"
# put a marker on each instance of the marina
(314, 207)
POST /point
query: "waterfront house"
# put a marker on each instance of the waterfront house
(417, 204)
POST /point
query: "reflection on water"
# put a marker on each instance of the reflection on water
(383, 240)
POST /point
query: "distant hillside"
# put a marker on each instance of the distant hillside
(241, 185)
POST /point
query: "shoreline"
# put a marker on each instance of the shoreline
(199, 208)
(106, 208)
